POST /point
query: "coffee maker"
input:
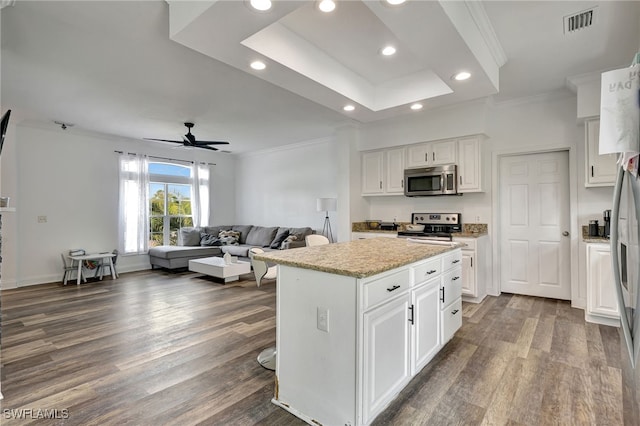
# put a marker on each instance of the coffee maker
(606, 216)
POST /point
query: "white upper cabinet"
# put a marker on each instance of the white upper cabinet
(372, 171)
(383, 172)
(469, 173)
(431, 154)
(394, 176)
(600, 169)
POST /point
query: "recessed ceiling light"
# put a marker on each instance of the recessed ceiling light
(388, 50)
(258, 65)
(395, 2)
(349, 108)
(461, 76)
(416, 106)
(327, 5)
(261, 5)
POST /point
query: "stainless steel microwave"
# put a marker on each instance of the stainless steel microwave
(441, 180)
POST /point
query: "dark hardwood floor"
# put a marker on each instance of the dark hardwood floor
(155, 348)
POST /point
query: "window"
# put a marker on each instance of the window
(157, 199)
(170, 202)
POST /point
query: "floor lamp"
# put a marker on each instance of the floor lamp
(327, 205)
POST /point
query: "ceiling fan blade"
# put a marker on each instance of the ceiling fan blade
(205, 147)
(199, 143)
(162, 140)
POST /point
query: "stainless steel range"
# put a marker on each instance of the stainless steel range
(433, 226)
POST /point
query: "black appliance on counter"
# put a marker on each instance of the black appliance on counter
(606, 217)
(437, 226)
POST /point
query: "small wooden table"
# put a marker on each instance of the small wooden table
(215, 267)
(95, 256)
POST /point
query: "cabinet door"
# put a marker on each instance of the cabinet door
(372, 172)
(386, 366)
(425, 338)
(469, 165)
(395, 171)
(443, 152)
(419, 155)
(601, 292)
(601, 169)
(468, 275)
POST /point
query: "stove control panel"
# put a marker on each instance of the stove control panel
(436, 218)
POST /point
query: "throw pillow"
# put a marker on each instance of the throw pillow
(229, 238)
(279, 238)
(209, 240)
(189, 236)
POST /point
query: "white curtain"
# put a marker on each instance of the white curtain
(134, 204)
(200, 202)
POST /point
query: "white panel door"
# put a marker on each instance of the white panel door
(534, 217)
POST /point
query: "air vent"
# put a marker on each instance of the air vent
(579, 21)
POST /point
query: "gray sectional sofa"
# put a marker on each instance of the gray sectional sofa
(196, 243)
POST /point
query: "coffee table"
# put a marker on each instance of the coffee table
(215, 267)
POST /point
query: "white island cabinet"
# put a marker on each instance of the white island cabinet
(352, 331)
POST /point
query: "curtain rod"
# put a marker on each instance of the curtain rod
(166, 158)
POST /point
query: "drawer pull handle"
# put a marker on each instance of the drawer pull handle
(395, 287)
(455, 278)
(454, 312)
(430, 272)
(456, 261)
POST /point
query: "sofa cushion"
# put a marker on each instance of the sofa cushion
(244, 231)
(261, 236)
(228, 238)
(215, 230)
(279, 238)
(242, 251)
(174, 252)
(189, 236)
(209, 239)
(300, 233)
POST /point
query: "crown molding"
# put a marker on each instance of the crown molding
(288, 147)
(480, 17)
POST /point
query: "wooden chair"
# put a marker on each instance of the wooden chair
(70, 266)
(100, 270)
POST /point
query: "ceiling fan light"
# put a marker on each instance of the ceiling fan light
(258, 65)
(261, 5)
(461, 76)
(327, 6)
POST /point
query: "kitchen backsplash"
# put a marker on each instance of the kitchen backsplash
(470, 228)
(475, 228)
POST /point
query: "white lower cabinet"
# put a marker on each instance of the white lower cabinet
(602, 304)
(347, 346)
(364, 235)
(425, 339)
(387, 344)
(475, 268)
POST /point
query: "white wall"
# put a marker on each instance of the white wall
(279, 187)
(71, 177)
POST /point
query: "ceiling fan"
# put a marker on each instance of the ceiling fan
(189, 140)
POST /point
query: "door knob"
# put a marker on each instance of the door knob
(565, 233)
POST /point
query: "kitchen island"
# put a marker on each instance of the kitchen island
(355, 321)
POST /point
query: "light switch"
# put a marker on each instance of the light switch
(42, 219)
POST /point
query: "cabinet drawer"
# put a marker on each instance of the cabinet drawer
(451, 320)
(451, 259)
(426, 271)
(385, 288)
(451, 286)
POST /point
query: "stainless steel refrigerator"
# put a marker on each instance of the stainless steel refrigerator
(626, 266)
(620, 133)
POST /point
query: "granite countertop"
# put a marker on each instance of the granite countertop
(359, 259)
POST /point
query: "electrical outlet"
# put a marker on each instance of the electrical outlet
(477, 219)
(322, 319)
(42, 219)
